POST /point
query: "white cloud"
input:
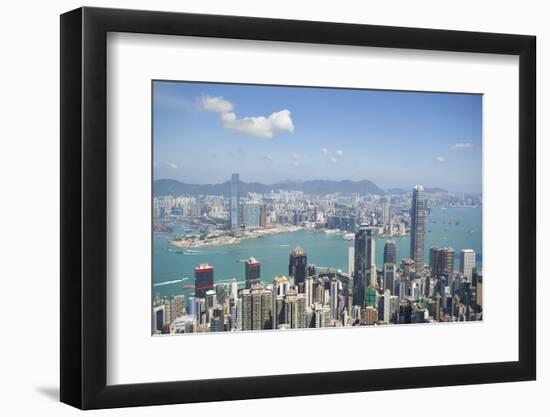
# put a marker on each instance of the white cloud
(258, 126)
(295, 157)
(439, 158)
(268, 158)
(216, 104)
(172, 165)
(332, 157)
(462, 145)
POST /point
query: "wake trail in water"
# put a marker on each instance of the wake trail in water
(175, 281)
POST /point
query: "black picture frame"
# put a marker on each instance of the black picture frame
(84, 207)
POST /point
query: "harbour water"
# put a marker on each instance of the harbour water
(460, 228)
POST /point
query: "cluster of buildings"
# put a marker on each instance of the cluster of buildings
(239, 212)
(404, 292)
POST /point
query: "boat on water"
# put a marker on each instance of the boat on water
(348, 236)
(175, 251)
(188, 287)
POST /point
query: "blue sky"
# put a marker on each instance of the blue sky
(204, 132)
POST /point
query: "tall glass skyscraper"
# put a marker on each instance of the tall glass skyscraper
(364, 259)
(418, 226)
(390, 252)
(297, 265)
(234, 212)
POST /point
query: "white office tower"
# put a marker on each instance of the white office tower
(234, 289)
(387, 306)
(334, 299)
(308, 291)
(467, 263)
(351, 260)
(372, 276)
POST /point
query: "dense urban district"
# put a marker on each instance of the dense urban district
(400, 291)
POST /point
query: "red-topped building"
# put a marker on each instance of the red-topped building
(204, 279)
(252, 272)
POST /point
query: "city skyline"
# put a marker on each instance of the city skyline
(293, 208)
(273, 134)
(313, 296)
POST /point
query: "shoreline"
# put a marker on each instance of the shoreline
(230, 240)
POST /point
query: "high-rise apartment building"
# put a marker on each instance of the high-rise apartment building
(467, 262)
(251, 214)
(441, 261)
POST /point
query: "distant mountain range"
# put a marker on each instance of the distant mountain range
(176, 188)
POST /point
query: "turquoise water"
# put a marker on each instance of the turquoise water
(325, 250)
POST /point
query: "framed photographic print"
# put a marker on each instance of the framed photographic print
(259, 207)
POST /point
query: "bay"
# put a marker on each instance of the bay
(460, 228)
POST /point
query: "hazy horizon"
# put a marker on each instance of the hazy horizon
(316, 179)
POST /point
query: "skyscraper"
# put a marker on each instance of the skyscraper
(234, 288)
(371, 297)
(467, 262)
(308, 291)
(389, 273)
(256, 303)
(441, 261)
(251, 272)
(387, 306)
(386, 211)
(251, 214)
(351, 260)
(364, 253)
(334, 299)
(405, 312)
(390, 252)
(267, 309)
(246, 313)
(297, 265)
(435, 261)
(263, 216)
(204, 279)
(418, 225)
(234, 209)
(447, 261)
